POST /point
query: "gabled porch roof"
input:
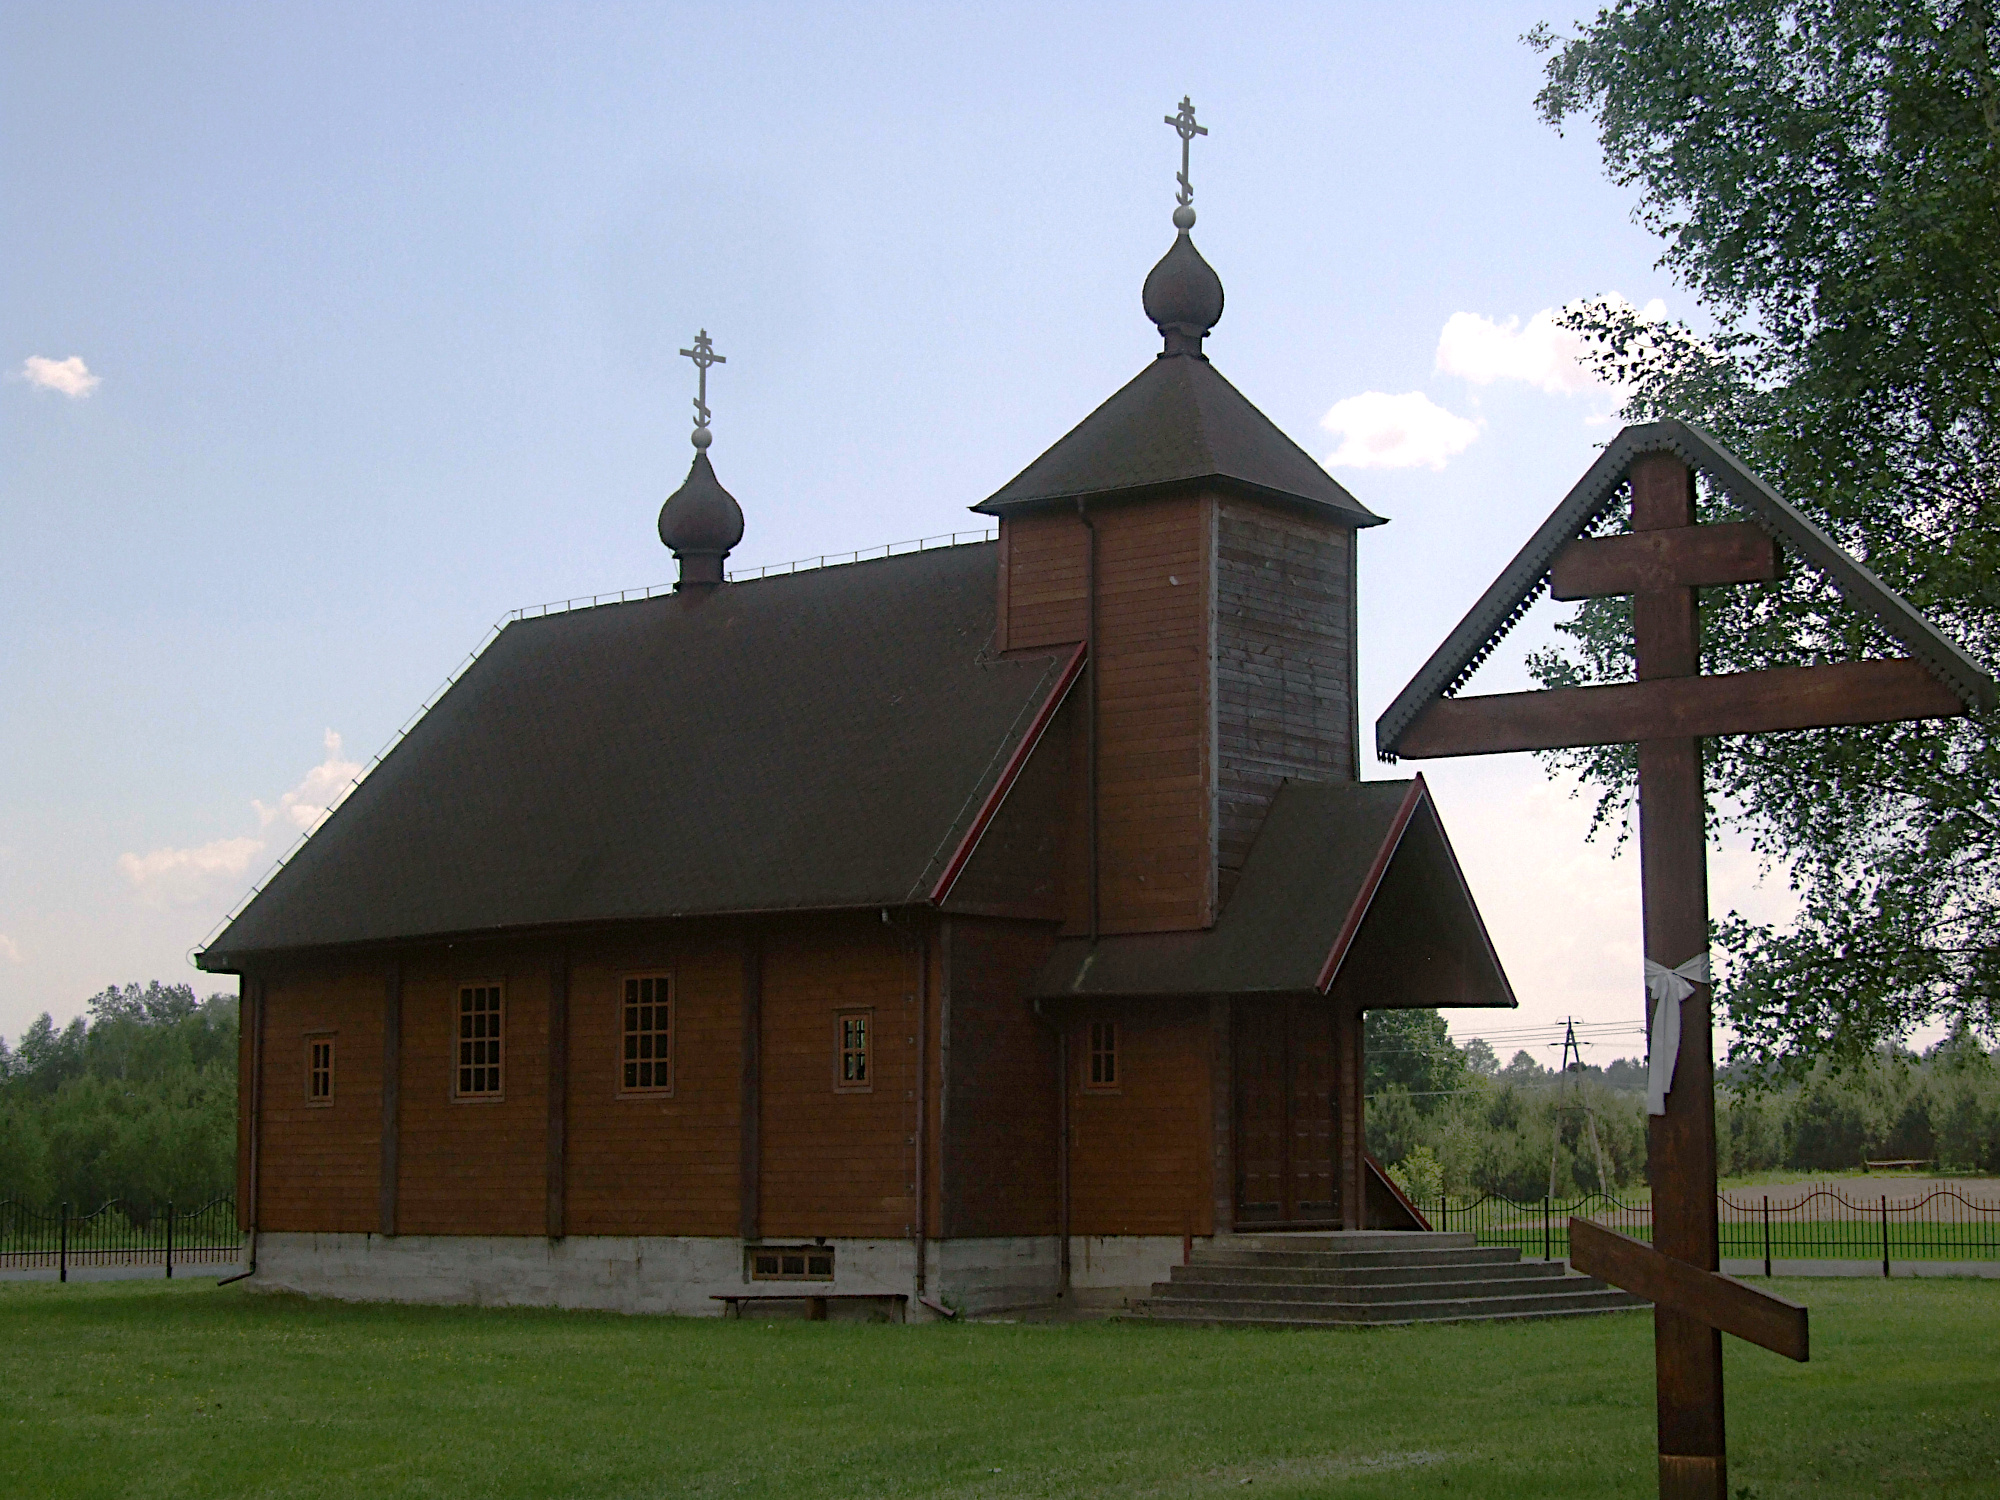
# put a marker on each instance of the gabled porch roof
(1351, 889)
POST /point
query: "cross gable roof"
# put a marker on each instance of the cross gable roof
(1522, 581)
(1177, 421)
(812, 741)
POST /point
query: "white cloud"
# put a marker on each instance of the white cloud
(1540, 352)
(70, 376)
(308, 803)
(1380, 431)
(9, 949)
(182, 877)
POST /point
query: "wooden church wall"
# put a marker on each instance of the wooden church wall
(1043, 591)
(318, 1164)
(1155, 767)
(1284, 664)
(834, 1161)
(1140, 1151)
(1153, 660)
(472, 1167)
(1225, 661)
(998, 1119)
(651, 1163)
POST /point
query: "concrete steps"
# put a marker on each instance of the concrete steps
(1371, 1279)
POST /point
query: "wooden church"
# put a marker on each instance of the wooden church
(975, 927)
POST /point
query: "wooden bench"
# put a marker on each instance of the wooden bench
(1892, 1166)
(815, 1301)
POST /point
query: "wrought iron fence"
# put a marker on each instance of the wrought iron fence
(119, 1233)
(1823, 1223)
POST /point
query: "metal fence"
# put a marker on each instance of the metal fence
(119, 1233)
(1823, 1223)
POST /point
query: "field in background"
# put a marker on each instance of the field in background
(186, 1390)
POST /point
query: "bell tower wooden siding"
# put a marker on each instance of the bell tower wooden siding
(1154, 653)
(1225, 661)
(1285, 664)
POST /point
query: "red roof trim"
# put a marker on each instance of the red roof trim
(991, 807)
(1365, 897)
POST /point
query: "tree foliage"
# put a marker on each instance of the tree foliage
(138, 1102)
(1826, 178)
(1498, 1134)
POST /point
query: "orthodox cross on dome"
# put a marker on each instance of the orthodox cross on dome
(703, 354)
(1185, 126)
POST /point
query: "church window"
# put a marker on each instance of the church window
(648, 1061)
(852, 1075)
(791, 1263)
(319, 1071)
(479, 1042)
(1103, 1062)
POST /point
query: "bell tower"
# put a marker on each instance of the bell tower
(1207, 564)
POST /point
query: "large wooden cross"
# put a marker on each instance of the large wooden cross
(1661, 562)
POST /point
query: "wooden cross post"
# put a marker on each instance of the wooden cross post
(1673, 876)
(1661, 563)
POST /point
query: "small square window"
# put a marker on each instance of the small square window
(646, 1065)
(851, 1073)
(1101, 1067)
(477, 1068)
(319, 1071)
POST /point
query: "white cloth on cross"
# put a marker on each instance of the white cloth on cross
(1668, 987)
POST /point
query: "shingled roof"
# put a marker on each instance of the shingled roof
(1178, 421)
(1350, 885)
(810, 741)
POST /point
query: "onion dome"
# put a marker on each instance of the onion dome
(701, 522)
(1183, 295)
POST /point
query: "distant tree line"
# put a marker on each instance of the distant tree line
(136, 1102)
(1447, 1118)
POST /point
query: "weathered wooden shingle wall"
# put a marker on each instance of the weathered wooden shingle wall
(1284, 664)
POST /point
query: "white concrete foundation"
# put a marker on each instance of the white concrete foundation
(685, 1274)
(1109, 1270)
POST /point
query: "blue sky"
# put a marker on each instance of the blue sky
(382, 306)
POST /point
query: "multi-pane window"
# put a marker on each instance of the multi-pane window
(1103, 1068)
(479, 1041)
(649, 1035)
(853, 1071)
(319, 1070)
(791, 1263)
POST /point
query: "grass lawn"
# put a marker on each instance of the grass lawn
(181, 1389)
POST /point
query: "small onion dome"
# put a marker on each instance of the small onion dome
(701, 522)
(1183, 294)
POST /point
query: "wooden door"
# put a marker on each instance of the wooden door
(1283, 1060)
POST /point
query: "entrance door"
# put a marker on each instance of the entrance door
(1283, 1058)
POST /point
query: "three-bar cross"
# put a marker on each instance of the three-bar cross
(1185, 125)
(703, 354)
